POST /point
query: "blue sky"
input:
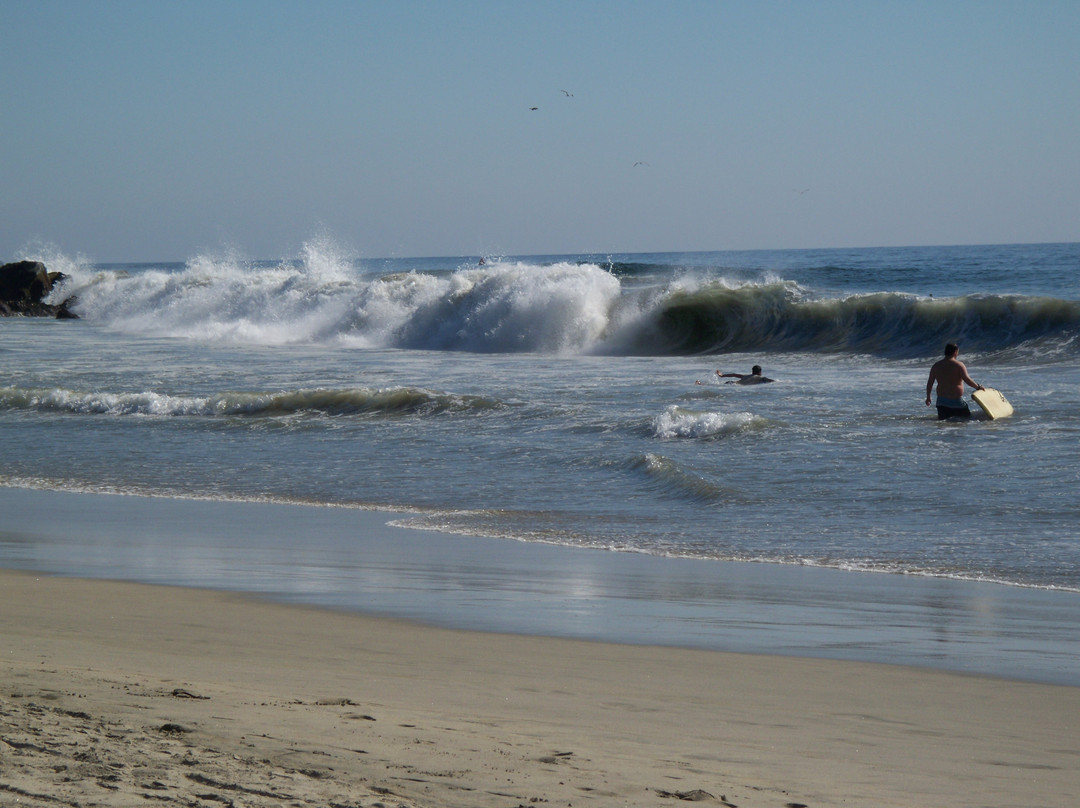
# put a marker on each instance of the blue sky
(134, 131)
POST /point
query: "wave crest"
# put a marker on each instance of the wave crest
(329, 402)
(779, 317)
(673, 481)
(678, 422)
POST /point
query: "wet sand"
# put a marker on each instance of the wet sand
(349, 559)
(120, 694)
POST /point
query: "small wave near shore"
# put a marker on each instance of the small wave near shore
(327, 402)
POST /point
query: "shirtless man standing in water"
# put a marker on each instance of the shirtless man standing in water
(951, 376)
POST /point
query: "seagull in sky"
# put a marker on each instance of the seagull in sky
(534, 108)
(567, 93)
(800, 193)
(640, 163)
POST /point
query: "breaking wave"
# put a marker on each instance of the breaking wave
(569, 307)
(781, 317)
(678, 422)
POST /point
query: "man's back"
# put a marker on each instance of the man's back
(949, 373)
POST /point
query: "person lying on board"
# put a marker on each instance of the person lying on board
(753, 377)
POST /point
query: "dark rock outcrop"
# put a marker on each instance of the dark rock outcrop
(23, 287)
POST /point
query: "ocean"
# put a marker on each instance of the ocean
(567, 402)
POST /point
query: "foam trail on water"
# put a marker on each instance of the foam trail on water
(332, 402)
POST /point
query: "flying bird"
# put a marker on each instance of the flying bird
(534, 108)
(640, 163)
(567, 93)
(800, 193)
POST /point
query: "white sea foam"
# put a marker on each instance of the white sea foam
(323, 298)
(220, 298)
(678, 422)
(502, 307)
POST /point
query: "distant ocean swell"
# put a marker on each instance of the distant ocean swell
(559, 308)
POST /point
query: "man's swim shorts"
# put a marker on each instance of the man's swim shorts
(952, 408)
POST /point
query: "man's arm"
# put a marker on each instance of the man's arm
(929, 386)
(732, 375)
(968, 380)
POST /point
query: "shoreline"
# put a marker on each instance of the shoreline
(116, 692)
(352, 560)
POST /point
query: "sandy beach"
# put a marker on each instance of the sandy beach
(118, 694)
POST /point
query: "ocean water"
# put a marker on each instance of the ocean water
(572, 400)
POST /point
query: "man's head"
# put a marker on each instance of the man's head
(952, 349)
(756, 370)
